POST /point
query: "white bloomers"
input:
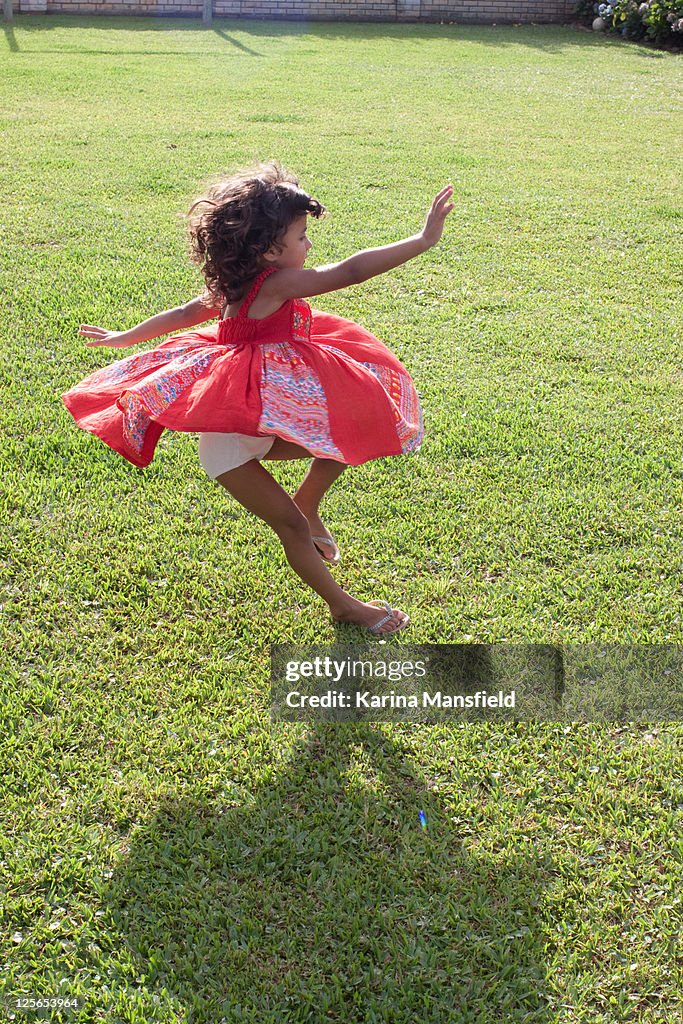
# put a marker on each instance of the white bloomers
(219, 453)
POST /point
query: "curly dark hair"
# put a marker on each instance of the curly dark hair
(241, 218)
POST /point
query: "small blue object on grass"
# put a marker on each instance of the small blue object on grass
(423, 819)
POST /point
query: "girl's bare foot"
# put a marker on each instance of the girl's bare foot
(322, 538)
(358, 613)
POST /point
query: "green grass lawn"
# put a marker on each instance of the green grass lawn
(167, 855)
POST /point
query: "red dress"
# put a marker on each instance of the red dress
(309, 377)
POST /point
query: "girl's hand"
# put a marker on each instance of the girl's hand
(441, 207)
(116, 339)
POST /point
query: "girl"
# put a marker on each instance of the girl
(272, 379)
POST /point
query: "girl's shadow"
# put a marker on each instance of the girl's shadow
(323, 897)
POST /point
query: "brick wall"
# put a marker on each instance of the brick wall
(496, 10)
(474, 11)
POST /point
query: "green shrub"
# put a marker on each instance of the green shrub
(627, 18)
(658, 20)
(662, 19)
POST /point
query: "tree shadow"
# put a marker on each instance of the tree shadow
(222, 34)
(10, 38)
(322, 898)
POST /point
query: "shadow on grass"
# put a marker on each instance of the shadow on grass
(320, 898)
(222, 34)
(550, 38)
(10, 38)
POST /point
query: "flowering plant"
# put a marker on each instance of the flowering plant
(658, 20)
(661, 18)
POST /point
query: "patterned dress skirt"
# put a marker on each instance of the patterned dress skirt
(311, 378)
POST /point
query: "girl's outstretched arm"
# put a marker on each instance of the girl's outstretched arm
(169, 322)
(292, 284)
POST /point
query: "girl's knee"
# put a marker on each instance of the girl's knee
(292, 525)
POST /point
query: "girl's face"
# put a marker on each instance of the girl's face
(293, 246)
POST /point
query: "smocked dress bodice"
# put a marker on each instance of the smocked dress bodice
(291, 322)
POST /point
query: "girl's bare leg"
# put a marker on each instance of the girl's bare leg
(321, 474)
(255, 488)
